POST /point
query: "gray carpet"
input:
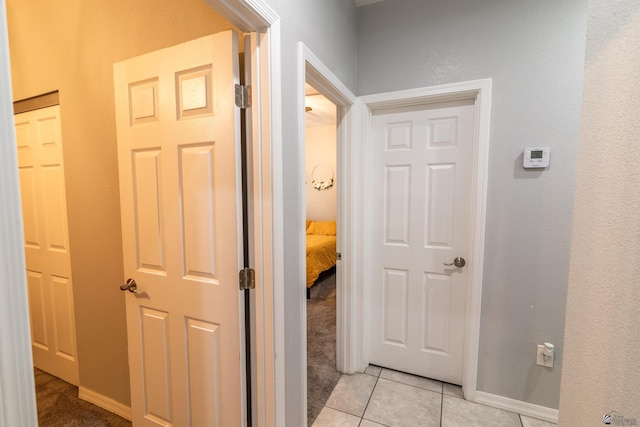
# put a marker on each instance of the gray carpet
(59, 405)
(322, 376)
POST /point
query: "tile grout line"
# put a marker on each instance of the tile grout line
(370, 396)
(442, 405)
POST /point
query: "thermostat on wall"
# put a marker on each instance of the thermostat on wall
(536, 157)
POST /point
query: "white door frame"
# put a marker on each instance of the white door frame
(266, 229)
(318, 75)
(480, 91)
(17, 397)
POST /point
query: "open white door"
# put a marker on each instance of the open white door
(44, 210)
(422, 176)
(178, 148)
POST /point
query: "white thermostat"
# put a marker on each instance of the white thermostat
(536, 157)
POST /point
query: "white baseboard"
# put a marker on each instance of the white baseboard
(517, 406)
(104, 402)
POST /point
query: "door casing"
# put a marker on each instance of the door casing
(314, 72)
(480, 92)
(17, 388)
(266, 239)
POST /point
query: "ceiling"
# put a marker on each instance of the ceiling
(322, 113)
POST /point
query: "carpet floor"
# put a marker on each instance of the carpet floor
(322, 375)
(59, 405)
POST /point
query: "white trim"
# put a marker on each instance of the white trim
(276, 322)
(518, 406)
(480, 90)
(301, 273)
(313, 71)
(105, 403)
(17, 395)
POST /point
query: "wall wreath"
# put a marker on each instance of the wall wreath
(322, 177)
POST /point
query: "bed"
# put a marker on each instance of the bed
(321, 248)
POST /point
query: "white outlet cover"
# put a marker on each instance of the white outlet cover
(540, 358)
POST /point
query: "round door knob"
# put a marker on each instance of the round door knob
(130, 286)
(459, 262)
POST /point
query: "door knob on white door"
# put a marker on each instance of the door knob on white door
(130, 286)
(458, 262)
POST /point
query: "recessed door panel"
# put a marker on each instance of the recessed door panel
(397, 202)
(204, 377)
(55, 207)
(154, 326)
(29, 188)
(61, 295)
(439, 208)
(436, 313)
(38, 310)
(399, 135)
(395, 309)
(197, 190)
(148, 210)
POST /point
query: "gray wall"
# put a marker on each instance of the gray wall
(602, 339)
(534, 51)
(328, 28)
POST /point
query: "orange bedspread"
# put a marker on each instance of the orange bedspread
(321, 255)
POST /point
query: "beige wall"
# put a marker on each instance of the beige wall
(71, 46)
(600, 371)
(321, 150)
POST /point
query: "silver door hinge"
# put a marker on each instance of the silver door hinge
(247, 278)
(338, 256)
(243, 96)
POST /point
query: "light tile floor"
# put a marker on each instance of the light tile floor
(383, 397)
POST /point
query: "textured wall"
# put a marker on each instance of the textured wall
(602, 337)
(534, 51)
(71, 46)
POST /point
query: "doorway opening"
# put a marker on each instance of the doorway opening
(321, 252)
(316, 75)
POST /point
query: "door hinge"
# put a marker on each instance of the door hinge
(247, 278)
(243, 96)
(338, 256)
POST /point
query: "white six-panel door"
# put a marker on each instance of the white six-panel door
(178, 147)
(421, 183)
(44, 210)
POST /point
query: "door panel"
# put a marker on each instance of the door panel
(178, 145)
(421, 163)
(44, 208)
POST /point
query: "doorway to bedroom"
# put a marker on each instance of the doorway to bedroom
(321, 214)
